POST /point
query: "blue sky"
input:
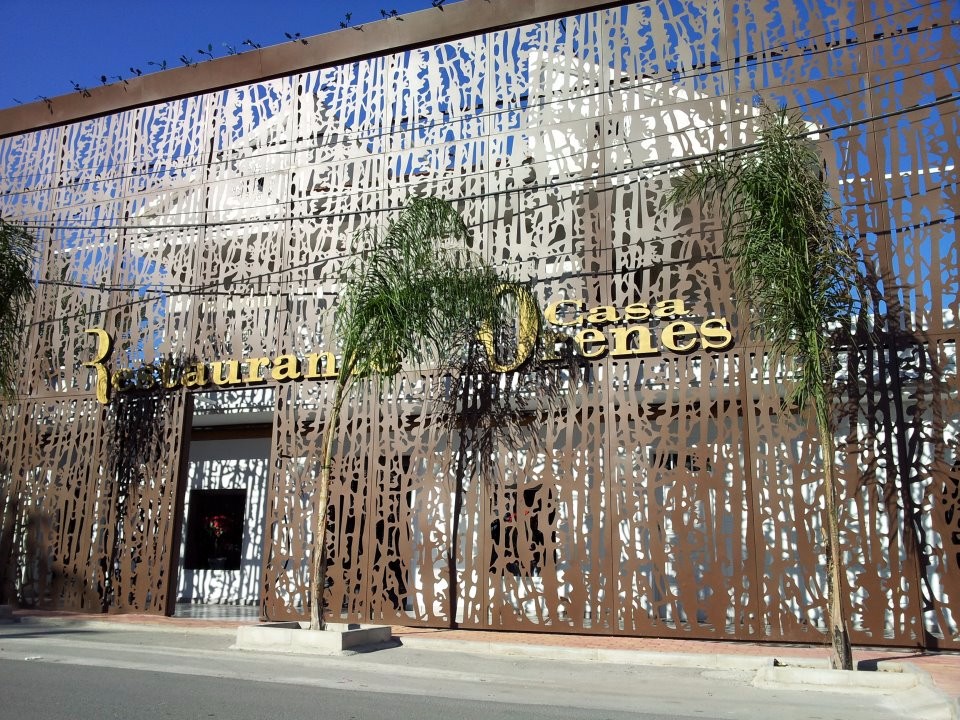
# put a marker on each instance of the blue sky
(49, 44)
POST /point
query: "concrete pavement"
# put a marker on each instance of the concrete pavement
(925, 685)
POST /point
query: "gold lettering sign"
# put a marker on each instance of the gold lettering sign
(636, 312)
(315, 361)
(168, 377)
(715, 334)
(232, 375)
(679, 336)
(604, 331)
(104, 346)
(195, 376)
(632, 341)
(255, 366)
(529, 321)
(286, 367)
(592, 343)
(621, 332)
(553, 311)
(122, 380)
(603, 315)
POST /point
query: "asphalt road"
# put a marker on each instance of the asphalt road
(90, 672)
(51, 691)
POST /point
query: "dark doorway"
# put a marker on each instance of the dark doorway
(215, 530)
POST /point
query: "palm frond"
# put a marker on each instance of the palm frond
(792, 268)
(416, 294)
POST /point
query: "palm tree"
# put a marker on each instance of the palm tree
(16, 290)
(798, 278)
(419, 296)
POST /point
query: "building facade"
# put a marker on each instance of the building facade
(190, 230)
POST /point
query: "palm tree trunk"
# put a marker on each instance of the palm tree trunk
(464, 403)
(318, 576)
(841, 655)
(455, 532)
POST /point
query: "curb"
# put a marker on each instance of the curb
(612, 657)
(895, 679)
(290, 637)
(911, 689)
(55, 622)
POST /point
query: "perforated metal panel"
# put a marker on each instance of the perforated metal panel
(664, 494)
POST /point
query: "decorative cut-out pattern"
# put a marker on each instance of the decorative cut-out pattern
(663, 493)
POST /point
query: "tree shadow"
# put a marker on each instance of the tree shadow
(894, 396)
(490, 412)
(138, 423)
(9, 512)
(32, 632)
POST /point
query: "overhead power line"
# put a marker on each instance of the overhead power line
(716, 67)
(164, 290)
(461, 178)
(661, 166)
(534, 187)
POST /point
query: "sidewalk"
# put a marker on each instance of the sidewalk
(942, 667)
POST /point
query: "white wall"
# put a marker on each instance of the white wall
(228, 465)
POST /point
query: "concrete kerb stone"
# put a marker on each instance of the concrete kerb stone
(601, 655)
(292, 637)
(893, 679)
(911, 690)
(925, 702)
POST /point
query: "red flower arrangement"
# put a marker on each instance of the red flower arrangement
(218, 526)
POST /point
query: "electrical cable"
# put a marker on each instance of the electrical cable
(460, 178)
(674, 163)
(625, 144)
(495, 193)
(182, 289)
(666, 77)
(654, 164)
(163, 292)
(326, 259)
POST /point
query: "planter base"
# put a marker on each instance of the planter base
(290, 637)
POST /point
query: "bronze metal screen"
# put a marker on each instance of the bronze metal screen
(664, 494)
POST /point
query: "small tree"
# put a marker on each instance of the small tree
(799, 279)
(16, 290)
(414, 297)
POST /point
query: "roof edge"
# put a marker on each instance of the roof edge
(424, 27)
